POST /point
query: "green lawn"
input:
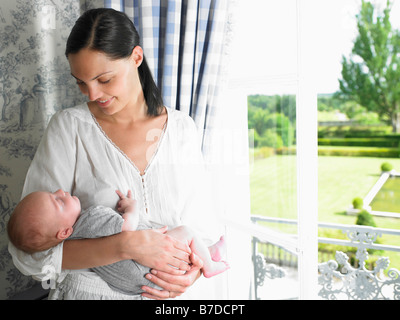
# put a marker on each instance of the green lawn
(273, 187)
(340, 179)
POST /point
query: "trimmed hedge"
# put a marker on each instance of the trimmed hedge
(358, 151)
(286, 150)
(354, 131)
(361, 142)
(347, 151)
(386, 166)
(358, 203)
(263, 152)
(364, 218)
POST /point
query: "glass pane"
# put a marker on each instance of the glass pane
(354, 140)
(273, 191)
(264, 65)
(268, 39)
(272, 123)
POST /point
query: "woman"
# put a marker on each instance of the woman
(124, 138)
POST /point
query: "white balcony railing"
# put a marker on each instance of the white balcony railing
(338, 278)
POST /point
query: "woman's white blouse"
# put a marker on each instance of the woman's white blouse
(76, 156)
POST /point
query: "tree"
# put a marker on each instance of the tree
(370, 76)
(280, 123)
(259, 121)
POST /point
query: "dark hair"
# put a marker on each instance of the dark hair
(113, 33)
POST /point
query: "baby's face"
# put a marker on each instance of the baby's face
(66, 208)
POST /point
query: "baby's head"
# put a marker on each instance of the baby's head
(42, 220)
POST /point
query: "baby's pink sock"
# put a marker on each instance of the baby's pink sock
(218, 249)
(215, 268)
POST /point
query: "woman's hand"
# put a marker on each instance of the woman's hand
(173, 285)
(156, 250)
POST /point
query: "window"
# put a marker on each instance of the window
(269, 85)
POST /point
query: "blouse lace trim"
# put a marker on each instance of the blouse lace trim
(123, 153)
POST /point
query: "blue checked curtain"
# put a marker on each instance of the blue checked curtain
(185, 43)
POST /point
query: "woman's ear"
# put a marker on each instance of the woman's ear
(64, 233)
(137, 56)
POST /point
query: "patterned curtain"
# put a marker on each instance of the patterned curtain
(185, 43)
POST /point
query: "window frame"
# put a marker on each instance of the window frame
(306, 244)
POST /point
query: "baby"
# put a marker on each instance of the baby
(44, 219)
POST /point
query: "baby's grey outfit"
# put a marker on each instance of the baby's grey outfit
(125, 276)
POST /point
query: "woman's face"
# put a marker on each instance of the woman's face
(111, 84)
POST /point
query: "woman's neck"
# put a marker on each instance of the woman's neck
(131, 113)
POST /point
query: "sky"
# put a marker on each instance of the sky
(336, 32)
(266, 38)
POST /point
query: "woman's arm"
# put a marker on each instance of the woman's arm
(151, 248)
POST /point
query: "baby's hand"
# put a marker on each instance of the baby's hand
(125, 203)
